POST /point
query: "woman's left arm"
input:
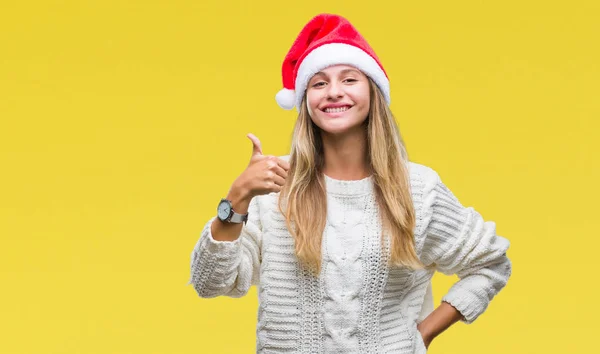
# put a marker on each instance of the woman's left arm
(459, 241)
(438, 321)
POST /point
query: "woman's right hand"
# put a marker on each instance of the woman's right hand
(265, 173)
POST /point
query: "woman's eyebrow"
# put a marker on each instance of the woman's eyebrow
(316, 76)
(347, 71)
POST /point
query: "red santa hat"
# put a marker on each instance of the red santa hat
(324, 41)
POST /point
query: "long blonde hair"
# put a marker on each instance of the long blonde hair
(305, 196)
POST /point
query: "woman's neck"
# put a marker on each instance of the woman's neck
(346, 156)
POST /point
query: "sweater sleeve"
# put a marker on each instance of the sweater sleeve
(459, 241)
(228, 268)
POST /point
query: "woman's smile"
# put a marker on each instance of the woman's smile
(335, 112)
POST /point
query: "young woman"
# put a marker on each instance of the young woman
(343, 236)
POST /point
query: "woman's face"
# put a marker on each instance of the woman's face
(338, 98)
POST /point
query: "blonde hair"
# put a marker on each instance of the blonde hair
(305, 196)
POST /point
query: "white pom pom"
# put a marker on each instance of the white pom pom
(286, 98)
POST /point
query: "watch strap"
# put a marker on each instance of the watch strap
(238, 218)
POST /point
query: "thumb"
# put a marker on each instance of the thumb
(256, 147)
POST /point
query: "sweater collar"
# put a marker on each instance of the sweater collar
(349, 187)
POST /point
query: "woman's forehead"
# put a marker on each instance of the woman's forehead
(339, 69)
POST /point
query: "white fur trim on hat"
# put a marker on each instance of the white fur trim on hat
(285, 98)
(334, 54)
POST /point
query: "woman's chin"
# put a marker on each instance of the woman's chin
(336, 129)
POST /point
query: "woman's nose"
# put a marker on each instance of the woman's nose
(335, 90)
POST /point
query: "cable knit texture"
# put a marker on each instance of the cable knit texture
(357, 304)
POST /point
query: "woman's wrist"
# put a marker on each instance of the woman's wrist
(426, 333)
(240, 200)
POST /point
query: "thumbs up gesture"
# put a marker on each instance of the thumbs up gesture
(265, 173)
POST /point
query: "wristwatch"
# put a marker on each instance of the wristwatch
(226, 213)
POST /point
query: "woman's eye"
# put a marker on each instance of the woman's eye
(318, 84)
(350, 80)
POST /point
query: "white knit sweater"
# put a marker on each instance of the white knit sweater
(357, 304)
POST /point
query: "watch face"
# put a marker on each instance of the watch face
(223, 210)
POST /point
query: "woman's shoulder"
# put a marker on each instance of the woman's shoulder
(421, 174)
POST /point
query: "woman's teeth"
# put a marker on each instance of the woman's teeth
(337, 109)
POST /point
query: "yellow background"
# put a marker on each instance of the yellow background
(123, 123)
